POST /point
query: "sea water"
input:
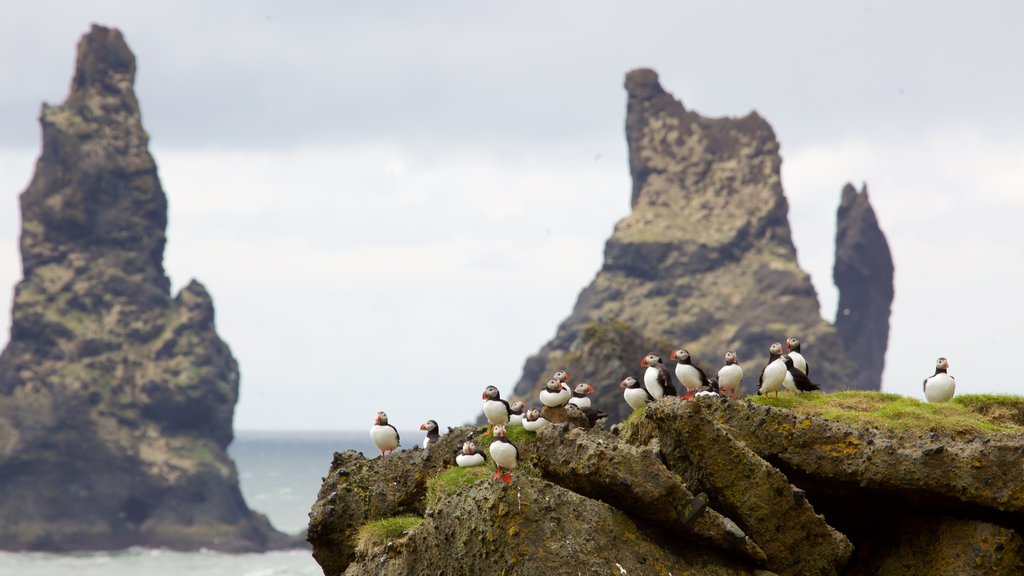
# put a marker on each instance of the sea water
(280, 474)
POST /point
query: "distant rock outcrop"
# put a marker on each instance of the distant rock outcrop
(705, 261)
(863, 273)
(116, 402)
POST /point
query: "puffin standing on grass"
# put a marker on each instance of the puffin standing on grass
(496, 410)
(793, 349)
(384, 435)
(773, 373)
(689, 374)
(470, 455)
(555, 394)
(635, 393)
(657, 378)
(533, 421)
(432, 434)
(940, 386)
(581, 395)
(795, 380)
(505, 455)
(730, 375)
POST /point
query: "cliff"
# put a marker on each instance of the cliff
(116, 401)
(851, 484)
(705, 260)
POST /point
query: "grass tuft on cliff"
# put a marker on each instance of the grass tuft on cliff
(380, 532)
(968, 414)
(448, 482)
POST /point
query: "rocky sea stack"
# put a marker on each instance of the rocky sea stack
(116, 401)
(705, 261)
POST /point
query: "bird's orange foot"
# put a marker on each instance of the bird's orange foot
(506, 477)
(497, 473)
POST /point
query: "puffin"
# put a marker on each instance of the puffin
(432, 434)
(516, 417)
(730, 375)
(504, 453)
(940, 387)
(581, 395)
(711, 389)
(773, 373)
(795, 380)
(793, 349)
(689, 374)
(533, 421)
(384, 435)
(635, 393)
(470, 455)
(555, 394)
(496, 410)
(657, 378)
(592, 414)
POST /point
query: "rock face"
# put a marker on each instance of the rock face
(705, 486)
(116, 402)
(863, 273)
(705, 261)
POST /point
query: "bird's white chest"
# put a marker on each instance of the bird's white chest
(688, 376)
(503, 454)
(384, 437)
(651, 381)
(553, 399)
(729, 376)
(635, 397)
(799, 362)
(939, 388)
(774, 374)
(534, 425)
(495, 412)
(467, 460)
(583, 402)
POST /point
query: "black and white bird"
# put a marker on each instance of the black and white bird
(940, 387)
(385, 436)
(432, 433)
(657, 378)
(793, 349)
(517, 408)
(581, 395)
(533, 421)
(795, 380)
(635, 393)
(555, 394)
(470, 455)
(593, 415)
(505, 455)
(496, 410)
(689, 374)
(730, 375)
(773, 373)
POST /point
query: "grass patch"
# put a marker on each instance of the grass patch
(380, 532)
(969, 414)
(448, 482)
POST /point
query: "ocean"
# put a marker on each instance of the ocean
(280, 474)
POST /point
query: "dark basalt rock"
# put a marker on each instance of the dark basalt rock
(705, 260)
(863, 273)
(116, 401)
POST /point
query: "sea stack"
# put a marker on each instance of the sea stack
(705, 257)
(863, 272)
(116, 401)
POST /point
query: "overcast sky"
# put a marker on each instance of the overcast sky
(394, 203)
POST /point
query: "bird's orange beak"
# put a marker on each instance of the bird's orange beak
(672, 356)
(423, 426)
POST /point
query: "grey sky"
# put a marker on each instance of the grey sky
(393, 204)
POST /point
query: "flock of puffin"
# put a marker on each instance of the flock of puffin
(787, 370)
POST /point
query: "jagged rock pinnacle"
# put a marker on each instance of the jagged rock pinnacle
(863, 273)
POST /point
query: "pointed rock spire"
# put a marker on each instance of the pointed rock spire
(863, 272)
